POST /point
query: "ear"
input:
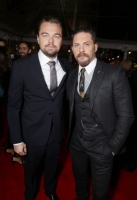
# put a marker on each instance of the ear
(38, 39)
(96, 47)
(29, 51)
(72, 48)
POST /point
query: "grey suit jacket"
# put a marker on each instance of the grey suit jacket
(110, 100)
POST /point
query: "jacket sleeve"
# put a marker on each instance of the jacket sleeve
(15, 96)
(124, 109)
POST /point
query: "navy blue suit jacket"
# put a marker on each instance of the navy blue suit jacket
(31, 108)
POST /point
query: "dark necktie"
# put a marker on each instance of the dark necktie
(82, 82)
(53, 77)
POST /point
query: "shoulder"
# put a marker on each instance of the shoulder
(66, 64)
(25, 60)
(112, 69)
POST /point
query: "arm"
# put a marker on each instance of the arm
(124, 109)
(15, 95)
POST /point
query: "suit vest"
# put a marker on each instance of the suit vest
(85, 125)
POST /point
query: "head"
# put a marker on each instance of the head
(24, 48)
(2, 43)
(84, 46)
(127, 64)
(49, 36)
(5, 61)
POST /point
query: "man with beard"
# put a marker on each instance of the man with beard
(24, 48)
(37, 126)
(100, 115)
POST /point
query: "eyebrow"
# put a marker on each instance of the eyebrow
(79, 43)
(54, 33)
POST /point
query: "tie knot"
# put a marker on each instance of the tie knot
(51, 63)
(83, 70)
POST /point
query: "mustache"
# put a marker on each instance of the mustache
(82, 54)
(50, 45)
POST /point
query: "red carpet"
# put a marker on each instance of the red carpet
(123, 186)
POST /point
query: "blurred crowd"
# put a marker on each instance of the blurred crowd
(24, 48)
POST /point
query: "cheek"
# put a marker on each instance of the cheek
(58, 44)
(75, 52)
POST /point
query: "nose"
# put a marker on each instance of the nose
(81, 48)
(50, 39)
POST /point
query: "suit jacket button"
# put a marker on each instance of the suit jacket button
(50, 113)
(52, 99)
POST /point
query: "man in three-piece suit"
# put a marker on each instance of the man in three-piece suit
(100, 115)
(36, 107)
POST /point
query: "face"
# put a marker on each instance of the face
(24, 50)
(50, 39)
(84, 48)
(2, 44)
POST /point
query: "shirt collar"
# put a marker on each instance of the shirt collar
(89, 67)
(44, 59)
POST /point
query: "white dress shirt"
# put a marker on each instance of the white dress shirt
(46, 68)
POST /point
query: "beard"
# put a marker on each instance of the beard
(83, 63)
(50, 53)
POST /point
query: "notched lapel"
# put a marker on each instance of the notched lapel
(37, 73)
(72, 86)
(60, 85)
(63, 79)
(96, 81)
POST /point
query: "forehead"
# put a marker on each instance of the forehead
(50, 27)
(82, 37)
(23, 45)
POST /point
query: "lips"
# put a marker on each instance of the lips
(50, 46)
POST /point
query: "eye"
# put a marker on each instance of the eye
(45, 35)
(76, 45)
(56, 36)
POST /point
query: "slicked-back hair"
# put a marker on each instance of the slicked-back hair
(49, 19)
(89, 30)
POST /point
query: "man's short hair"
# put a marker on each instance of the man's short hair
(27, 43)
(89, 30)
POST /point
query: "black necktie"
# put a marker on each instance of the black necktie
(82, 82)
(53, 77)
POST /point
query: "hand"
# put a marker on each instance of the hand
(113, 154)
(20, 149)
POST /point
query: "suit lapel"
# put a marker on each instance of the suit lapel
(96, 81)
(63, 79)
(37, 73)
(72, 87)
(62, 64)
(60, 85)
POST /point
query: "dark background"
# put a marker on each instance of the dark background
(112, 19)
